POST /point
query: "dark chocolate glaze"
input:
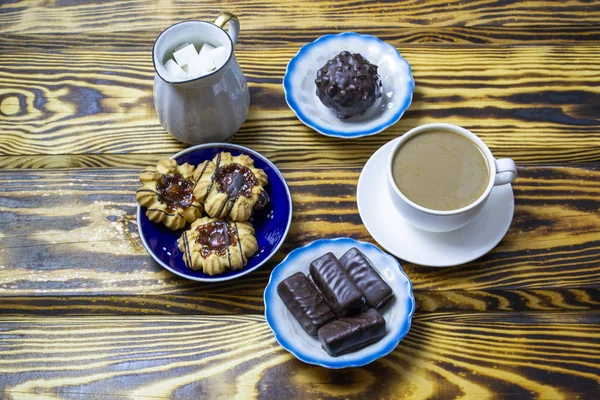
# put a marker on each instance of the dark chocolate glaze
(202, 172)
(235, 180)
(263, 199)
(368, 280)
(216, 237)
(348, 84)
(212, 177)
(175, 191)
(169, 213)
(237, 235)
(186, 251)
(335, 284)
(304, 301)
(352, 333)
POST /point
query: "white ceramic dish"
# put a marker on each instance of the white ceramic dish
(414, 245)
(396, 77)
(288, 332)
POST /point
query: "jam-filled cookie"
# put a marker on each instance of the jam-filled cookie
(231, 186)
(168, 194)
(213, 246)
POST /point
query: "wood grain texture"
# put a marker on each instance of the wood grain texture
(81, 16)
(535, 104)
(62, 161)
(248, 300)
(86, 314)
(552, 355)
(268, 37)
(70, 239)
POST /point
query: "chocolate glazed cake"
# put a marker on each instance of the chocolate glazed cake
(304, 301)
(335, 284)
(366, 278)
(348, 84)
(352, 333)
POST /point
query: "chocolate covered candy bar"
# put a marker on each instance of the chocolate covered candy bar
(351, 333)
(366, 278)
(304, 301)
(335, 284)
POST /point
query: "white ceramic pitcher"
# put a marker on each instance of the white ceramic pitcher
(210, 108)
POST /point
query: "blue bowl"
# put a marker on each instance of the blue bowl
(289, 333)
(396, 78)
(271, 223)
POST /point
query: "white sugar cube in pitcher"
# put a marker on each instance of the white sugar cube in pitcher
(181, 46)
(175, 70)
(205, 50)
(185, 55)
(219, 56)
(200, 66)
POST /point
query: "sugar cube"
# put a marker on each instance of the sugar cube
(181, 46)
(200, 66)
(184, 55)
(219, 56)
(205, 50)
(175, 70)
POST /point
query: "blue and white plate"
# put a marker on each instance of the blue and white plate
(288, 332)
(396, 77)
(271, 223)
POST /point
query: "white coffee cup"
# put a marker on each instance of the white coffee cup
(501, 172)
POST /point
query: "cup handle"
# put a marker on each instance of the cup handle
(506, 171)
(234, 24)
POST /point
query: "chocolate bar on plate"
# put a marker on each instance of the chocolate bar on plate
(352, 333)
(335, 284)
(366, 278)
(305, 302)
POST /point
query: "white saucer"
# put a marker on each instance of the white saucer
(394, 71)
(411, 244)
(292, 337)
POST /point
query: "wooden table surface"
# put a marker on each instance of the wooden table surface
(84, 311)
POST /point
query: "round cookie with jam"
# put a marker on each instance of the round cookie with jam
(231, 186)
(213, 246)
(168, 194)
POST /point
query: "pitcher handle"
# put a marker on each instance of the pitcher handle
(234, 24)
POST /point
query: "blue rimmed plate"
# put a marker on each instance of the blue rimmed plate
(396, 77)
(271, 223)
(290, 335)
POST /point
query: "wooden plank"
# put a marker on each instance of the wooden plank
(58, 229)
(274, 38)
(545, 355)
(49, 161)
(82, 16)
(535, 104)
(216, 299)
(139, 161)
